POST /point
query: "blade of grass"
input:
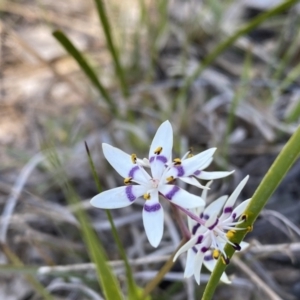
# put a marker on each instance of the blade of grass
(112, 49)
(220, 48)
(272, 179)
(162, 272)
(132, 287)
(240, 93)
(85, 67)
(39, 288)
(107, 279)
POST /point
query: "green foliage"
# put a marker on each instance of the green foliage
(272, 179)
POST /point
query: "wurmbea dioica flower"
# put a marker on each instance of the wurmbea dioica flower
(210, 231)
(150, 187)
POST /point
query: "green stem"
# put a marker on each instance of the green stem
(133, 292)
(272, 179)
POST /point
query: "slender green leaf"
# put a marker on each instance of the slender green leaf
(133, 293)
(272, 179)
(107, 279)
(85, 67)
(220, 48)
(107, 31)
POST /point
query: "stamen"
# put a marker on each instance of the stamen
(191, 153)
(133, 158)
(177, 161)
(127, 180)
(225, 260)
(237, 247)
(230, 234)
(249, 228)
(158, 150)
(170, 178)
(244, 217)
(147, 196)
(216, 254)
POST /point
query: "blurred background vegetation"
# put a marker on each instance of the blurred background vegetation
(75, 71)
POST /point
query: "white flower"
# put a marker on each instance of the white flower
(150, 187)
(212, 232)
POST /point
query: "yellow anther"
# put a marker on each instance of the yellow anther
(216, 254)
(169, 179)
(224, 260)
(147, 196)
(230, 234)
(127, 180)
(244, 217)
(158, 150)
(177, 161)
(133, 158)
(191, 153)
(249, 228)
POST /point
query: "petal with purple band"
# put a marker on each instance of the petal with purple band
(186, 246)
(180, 197)
(122, 163)
(231, 200)
(118, 197)
(193, 164)
(158, 165)
(153, 219)
(163, 138)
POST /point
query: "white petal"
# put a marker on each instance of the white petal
(190, 165)
(180, 197)
(239, 210)
(153, 219)
(118, 197)
(210, 265)
(204, 192)
(206, 163)
(188, 245)
(228, 207)
(244, 245)
(123, 164)
(190, 261)
(213, 175)
(215, 206)
(198, 264)
(194, 181)
(164, 139)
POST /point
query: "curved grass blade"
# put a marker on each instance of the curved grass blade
(107, 279)
(272, 179)
(133, 290)
(220, 48)
(85, 67)
(114, 53)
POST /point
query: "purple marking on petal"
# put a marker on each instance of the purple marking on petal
(132, 171)
(194, 249)
(228, 210)
(161, 158)
(208, 257)
(204, 249)
(206, 217)
(173, 191)
(152, 208)
(233, 216)
(214, 225)
(197, 172)
(195, 227)
(129, 193)
(180, 171)
(199, 240)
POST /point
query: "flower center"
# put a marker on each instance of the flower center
(154, 183)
